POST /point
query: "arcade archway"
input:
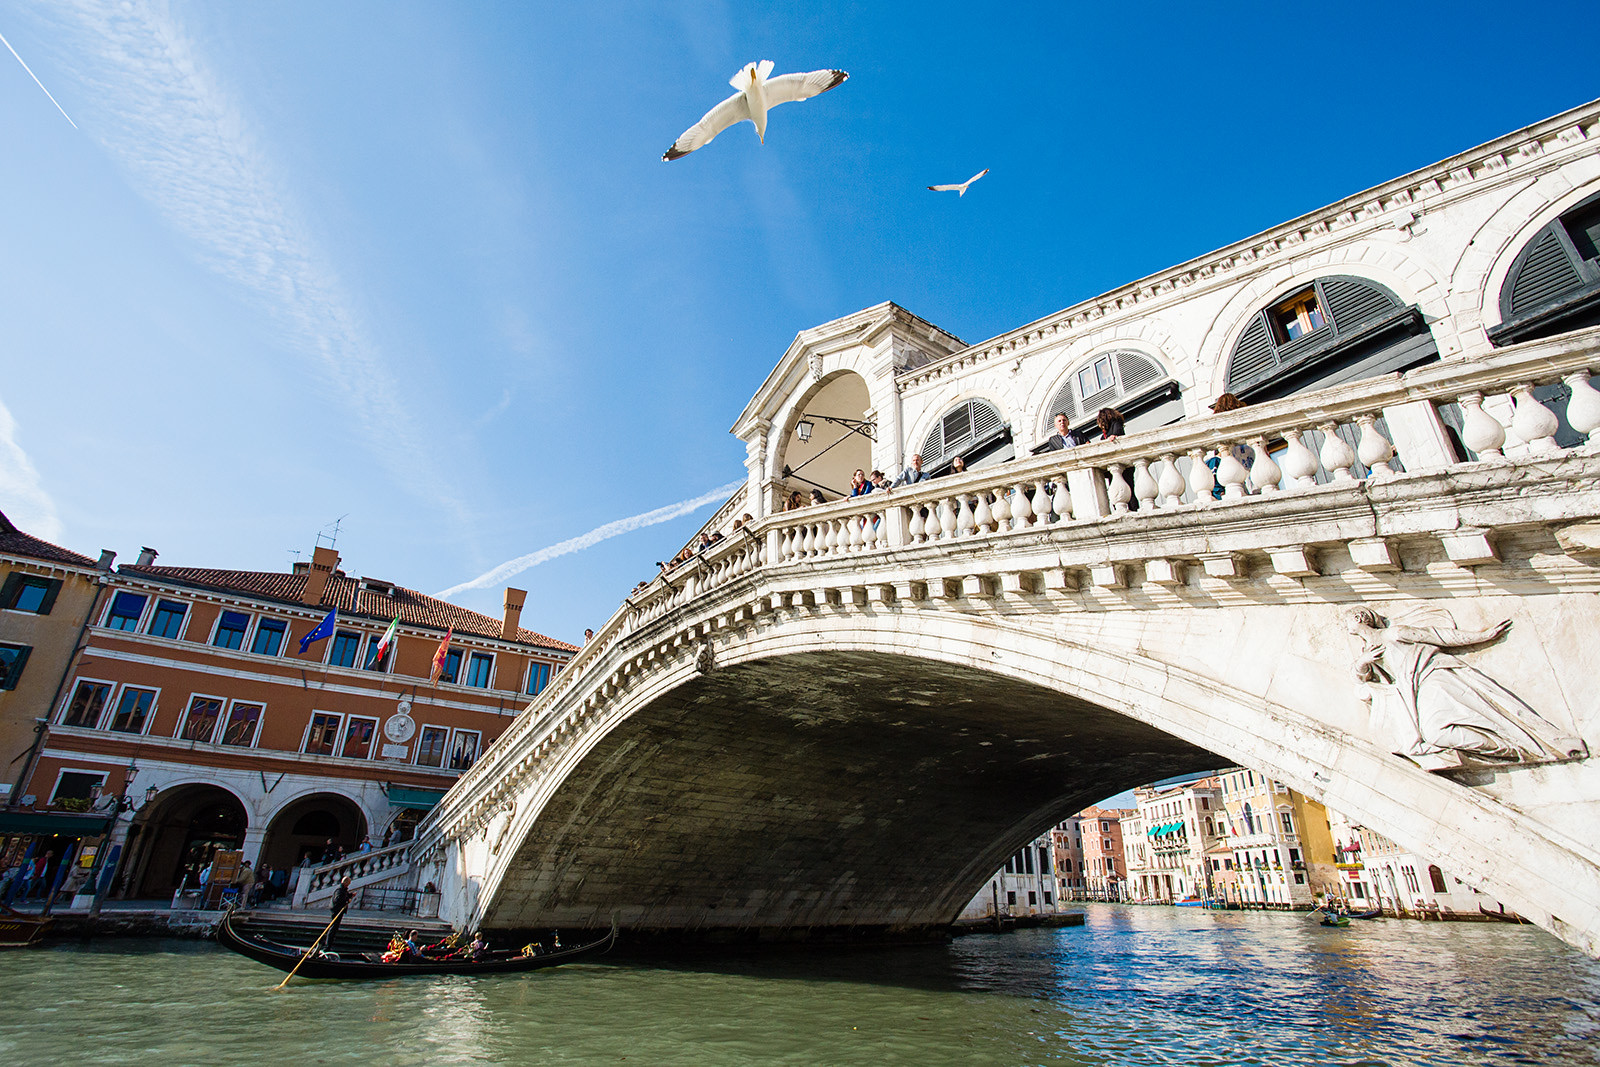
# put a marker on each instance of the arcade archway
(310, 826)
(174, 837)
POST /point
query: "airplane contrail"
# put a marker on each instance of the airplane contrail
(37, 82)
(593, 537)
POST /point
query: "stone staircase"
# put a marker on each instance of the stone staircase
(384, 867)
(358, 932)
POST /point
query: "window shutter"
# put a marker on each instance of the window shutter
(50, 596)
(1065, 400)
(984, 419)
(8, 592)
(1253, 356)
(1136, 369)
(11, 677)
(958, 424)
(933, 444)
(1351, 301)
(1546, 273)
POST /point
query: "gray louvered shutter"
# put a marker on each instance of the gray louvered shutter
(1136, 370)
(1254, 356)
(1065, 400)
(1546, 273)
(1352, 301)
(985, 419)
(933, 444)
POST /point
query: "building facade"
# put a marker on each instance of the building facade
(1279, 850)
(1066, 839)
(1374, 872)
(1026, 886)
(1179, 831)
(1104, 863)
(192, 706)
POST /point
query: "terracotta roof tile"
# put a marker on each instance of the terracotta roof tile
(14, 542)
(346, 594)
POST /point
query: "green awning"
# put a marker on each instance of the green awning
(52, 822)
(402, 796)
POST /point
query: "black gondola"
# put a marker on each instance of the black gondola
(371, 965)
(1503, 915)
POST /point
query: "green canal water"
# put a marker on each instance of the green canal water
(1132, 986)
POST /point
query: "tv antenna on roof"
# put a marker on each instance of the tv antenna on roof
(333, 538)
(294, 556)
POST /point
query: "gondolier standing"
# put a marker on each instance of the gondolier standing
(341, 901)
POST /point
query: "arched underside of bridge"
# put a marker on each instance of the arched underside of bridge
(842, 793)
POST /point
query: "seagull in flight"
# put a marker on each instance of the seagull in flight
(757, 94)
(960, 190)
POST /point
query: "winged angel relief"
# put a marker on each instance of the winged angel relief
(1435, 709)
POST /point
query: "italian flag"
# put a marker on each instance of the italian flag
(381, 649)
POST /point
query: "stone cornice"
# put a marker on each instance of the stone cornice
(1397, 204)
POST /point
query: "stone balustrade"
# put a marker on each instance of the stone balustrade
(1290, 449)
(364, 868)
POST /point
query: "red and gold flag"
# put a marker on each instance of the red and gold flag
(438, 657)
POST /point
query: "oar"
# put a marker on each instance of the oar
(313, 947)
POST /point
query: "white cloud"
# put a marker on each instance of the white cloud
(593, 537)
(153, 103)
(22, 498)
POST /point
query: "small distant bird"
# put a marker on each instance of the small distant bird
(960, 190)
(757, 94)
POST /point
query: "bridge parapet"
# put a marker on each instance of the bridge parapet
(1067, 532)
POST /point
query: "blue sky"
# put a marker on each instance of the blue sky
(420, 265)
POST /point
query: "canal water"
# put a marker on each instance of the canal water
(1133, 986)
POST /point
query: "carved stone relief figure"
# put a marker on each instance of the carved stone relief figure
(1439, 711)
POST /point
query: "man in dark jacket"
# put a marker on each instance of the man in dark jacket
(341, 901)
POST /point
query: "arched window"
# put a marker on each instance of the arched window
(1249, 820)
(1554, 283)
(1436, 876)
(1135, 384)
(973, 430)
(1336, 329)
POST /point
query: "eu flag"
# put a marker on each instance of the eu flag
(324, 629)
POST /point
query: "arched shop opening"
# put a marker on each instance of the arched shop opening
(305, 828)
(174, 837)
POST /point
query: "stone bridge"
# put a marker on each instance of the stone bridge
(840, 720)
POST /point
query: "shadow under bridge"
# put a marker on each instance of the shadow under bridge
(805, 795)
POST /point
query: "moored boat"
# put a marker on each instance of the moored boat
(18, 930)
(371, 964)
(1503, 915)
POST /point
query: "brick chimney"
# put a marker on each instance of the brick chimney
(107, 558)
(512, 621)
(147, 556)
(324, 561)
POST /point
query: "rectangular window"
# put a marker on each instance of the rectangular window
(431, 745)
(29, 592)
(358, 738)
(451, 672)
(88, 701)
(346, 646)
(464, 749)
(167, 619)
(1033, 898)
(323, 735)
(479, 668)
(538, 678)
(12, 659)
(1047, 900)
(125, 611)
(1011, 898)
(269, 637)
(133, 710)
(201, 721)
(374, 662)
(243, 719)
(1287, 820)
(230, 629)
(1297, 316)
(76, 785)
(1294, 855)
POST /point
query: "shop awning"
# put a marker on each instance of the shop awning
(403, 796)
(53, 822)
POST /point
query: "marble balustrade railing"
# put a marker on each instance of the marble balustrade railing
(1331, 435)
(362, 867)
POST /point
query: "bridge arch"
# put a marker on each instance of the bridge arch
(590, 835)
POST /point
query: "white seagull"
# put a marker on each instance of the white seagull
(960, 190)
(757, 95)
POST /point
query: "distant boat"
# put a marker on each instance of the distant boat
(1371, 913)
(1194, 903)
(1502, 915)
(18, 930)
(1333, 918)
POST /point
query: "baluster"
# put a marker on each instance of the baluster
(1264, 473)
(1299, 463)
(1337, 457)
(982, 515)
(947, 519)
(786, 545)
(1170, 483)
(1144, 486)
(1001, 509)
(965, 525)
(1480, 431)
(1532, 421)
(878, 531)
(1231, 474)
(1118, 492)
(1201, 480)
(916, 528)
(1063, 498)
(1040, 504)
(1583, 408)
(1021, 510)
(808, 546)
(831, 546)
(1374, 449)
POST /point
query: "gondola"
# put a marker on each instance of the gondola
(371, 965)
(1370, 913)
(18, 930)
(1502, 915)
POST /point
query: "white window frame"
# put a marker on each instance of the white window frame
(255, 735)
(338, 731)
(477, 752)
(249, 627)
(144, 612)
(361, 639)
(62, 771)
(183, 622)
(444, 755)
(183, 719)
(527, 675)
(249, 645)
(373, 744)
(366, 653)
(66, 701)
(150, 717)
(467, 667)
